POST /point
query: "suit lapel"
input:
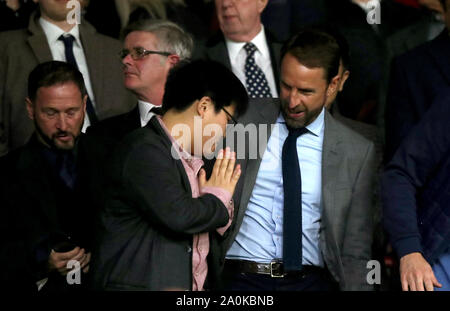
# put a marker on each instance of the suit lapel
(92, 51)
(38, 41)
(218, 51)
(34, 173)
(331, 159)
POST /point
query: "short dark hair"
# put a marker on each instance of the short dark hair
(54, 73)
(190, 81)
(314, 48)
(342, 42)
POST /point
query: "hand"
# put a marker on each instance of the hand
(415, 272)
(224, 175)
(58, 261)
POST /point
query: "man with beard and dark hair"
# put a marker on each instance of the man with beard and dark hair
(47, 209)
(304, 205)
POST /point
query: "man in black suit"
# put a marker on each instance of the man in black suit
(416, 196)
(160, 207)
(49, 214)
(416, 78)
(151, 49)
(243, 42)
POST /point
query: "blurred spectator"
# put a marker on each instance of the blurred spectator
(51, 37)
(14, 14)
(245, 46)
(112, 17)
(368, 62)
(416, 78)
(285, 17)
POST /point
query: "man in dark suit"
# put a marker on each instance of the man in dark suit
(151, 49)
(50, 37)
(160, 207)
(334, 193)
(46, 187)
(244, 43)
(416, 78)
(416, 196)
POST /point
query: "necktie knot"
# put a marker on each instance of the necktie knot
(296, 132)
(157, 110)
(67, 40)
(250, 48)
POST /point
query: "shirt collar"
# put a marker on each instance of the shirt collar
(53, 32)
(193, 162)
(144, 108)
(315, 127)
(259, 41)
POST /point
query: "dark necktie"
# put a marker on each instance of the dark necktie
(70, 58)
(67, 168)
(255, 79)
(156, 110)
(292, 216)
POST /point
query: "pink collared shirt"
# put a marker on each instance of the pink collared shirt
(200, 242)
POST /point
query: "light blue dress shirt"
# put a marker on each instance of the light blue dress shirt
(260, 237)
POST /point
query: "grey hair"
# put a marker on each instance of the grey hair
(171, 37)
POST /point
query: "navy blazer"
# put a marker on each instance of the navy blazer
(416, 186)
(417, 77)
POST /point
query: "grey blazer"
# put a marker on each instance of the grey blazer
(348, 172)
(21, 50)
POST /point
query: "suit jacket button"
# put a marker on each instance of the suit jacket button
(189, 249)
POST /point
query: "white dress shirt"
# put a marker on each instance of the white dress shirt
(260, 237)
(53, 32)
(144, 112)
(238, 56)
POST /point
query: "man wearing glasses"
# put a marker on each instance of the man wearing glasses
(151, 49)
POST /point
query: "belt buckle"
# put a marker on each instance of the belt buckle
(276, 273)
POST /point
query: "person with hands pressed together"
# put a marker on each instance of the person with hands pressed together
(161, 205)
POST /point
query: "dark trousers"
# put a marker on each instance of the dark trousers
(319, 280)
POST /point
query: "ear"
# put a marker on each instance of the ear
(261, 5)
(84, 102)
(173, 59)
(203, 105)
(333, 85)
(343, 79)
(30, 108)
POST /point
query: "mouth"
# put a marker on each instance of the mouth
(63, 137)
(295, 115)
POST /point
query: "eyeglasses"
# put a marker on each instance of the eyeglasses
(231, 117)
(139, 53)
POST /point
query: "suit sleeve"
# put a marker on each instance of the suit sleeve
(3, 110)
(413, 163)
(152, 178)
(356, 251)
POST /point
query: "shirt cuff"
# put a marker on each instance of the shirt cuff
(226, 198)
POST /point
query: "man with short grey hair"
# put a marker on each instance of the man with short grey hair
(151, 49)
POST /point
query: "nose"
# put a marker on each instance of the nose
(61, 123)
(227, 3)
(127, 60)
(294, 98)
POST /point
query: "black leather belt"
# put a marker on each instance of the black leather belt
(274, 269)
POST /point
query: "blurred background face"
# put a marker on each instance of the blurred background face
(145, 76)
(54, 10)
(58, 114)
(303, 92)
(240, 20)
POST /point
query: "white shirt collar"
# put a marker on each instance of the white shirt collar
(259, 41)
(144, 111)
(53, 32)
(315, 127)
